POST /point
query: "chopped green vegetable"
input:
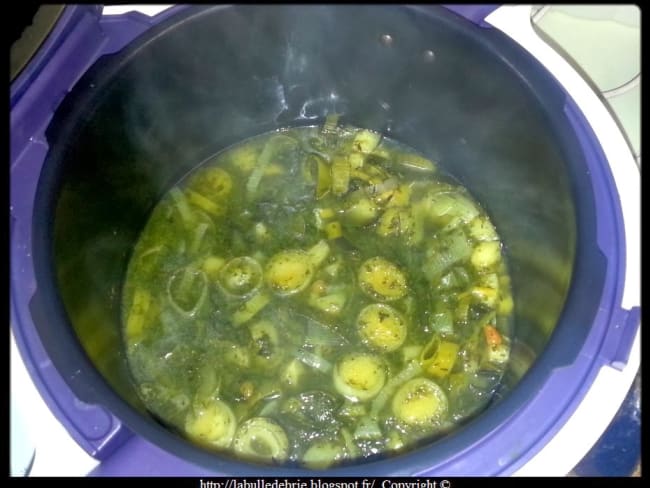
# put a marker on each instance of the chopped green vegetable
(181, 204)
(136, 321)
(331, 304)
(340, 175)
(293, 373)
(330, 125)
(205, 204)
(249, 309)
(324, 177)
(333, 230)
(314, 361)
(211, 183)
(264, 160)
(486, 254)
(361, 212)
(212, 265)
(366, 141)
(481, 229)
(449, 250)
(318, 253)
(402, 223)
(415, 162)
(411, 370)
(322, 454)
(368, 428)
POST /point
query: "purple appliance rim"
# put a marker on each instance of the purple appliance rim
(594, 354)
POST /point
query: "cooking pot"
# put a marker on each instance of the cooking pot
(206, 77)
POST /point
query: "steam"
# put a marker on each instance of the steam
(231, 73)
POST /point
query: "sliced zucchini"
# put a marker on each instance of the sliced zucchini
(238, 356)
(356, 160)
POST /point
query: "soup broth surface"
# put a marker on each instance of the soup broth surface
(317, 296)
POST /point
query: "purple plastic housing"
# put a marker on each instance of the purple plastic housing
(80, 37)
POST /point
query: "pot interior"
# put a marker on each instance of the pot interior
(462, 95)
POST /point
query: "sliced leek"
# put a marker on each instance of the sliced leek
(381, 279)
(420, 402)
(486, 255)
(322, 454)
(212, 183)
(438, 357)
(366, 141)
(382, 327)
(359, 376)
(187, 291)
(241, 276)
(249, 309)
(261, 439)
(212, 424)
(289, 272)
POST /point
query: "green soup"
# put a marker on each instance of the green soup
(317, 296)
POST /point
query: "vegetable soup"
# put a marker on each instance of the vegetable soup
(317, 296)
